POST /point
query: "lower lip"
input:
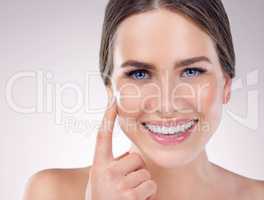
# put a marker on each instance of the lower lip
(171, 139)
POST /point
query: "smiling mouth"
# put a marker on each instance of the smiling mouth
(170, 129)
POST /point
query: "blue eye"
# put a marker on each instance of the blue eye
(138, 74)
(192, 72)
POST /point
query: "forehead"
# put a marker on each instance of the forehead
(160, 36)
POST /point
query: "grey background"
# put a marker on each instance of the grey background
(63, 38)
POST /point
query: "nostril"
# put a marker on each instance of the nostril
(196, 120)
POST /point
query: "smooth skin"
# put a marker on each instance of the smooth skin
(121, 178)
(150, 170)
(124, 177)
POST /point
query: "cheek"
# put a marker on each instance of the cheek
(129, 108)
(209, 102)
(207, 97)
(129, 99)
(133, 100)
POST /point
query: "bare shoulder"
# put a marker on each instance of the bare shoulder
(250, 188)
(246, 188)
(258, 189)
(57, 184)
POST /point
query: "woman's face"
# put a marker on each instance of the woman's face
(180, 81)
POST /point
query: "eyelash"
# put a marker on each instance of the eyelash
(198, 70)
(131, 73)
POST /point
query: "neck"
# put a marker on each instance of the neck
(182, 182)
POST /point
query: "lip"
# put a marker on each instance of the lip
(170, 122)
(170, 139)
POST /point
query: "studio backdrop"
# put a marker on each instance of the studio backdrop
(53, 99)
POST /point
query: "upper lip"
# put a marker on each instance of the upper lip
(170, 122)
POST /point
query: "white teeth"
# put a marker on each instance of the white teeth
(169, 130)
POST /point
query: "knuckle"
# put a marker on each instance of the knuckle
(138, 158)
(145, 173)
(122, 185)
(100, 137)
(131, 195)
(151, 185)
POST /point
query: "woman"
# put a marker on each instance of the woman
(168, 68)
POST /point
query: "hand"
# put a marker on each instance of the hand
(122, 178)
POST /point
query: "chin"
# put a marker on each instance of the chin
(171, 158)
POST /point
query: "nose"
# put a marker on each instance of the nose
(172, 98)
(165, 104)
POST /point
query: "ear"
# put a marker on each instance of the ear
(227, 89)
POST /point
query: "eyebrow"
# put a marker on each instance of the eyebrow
(181, 63)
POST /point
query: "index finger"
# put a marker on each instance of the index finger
(103, 149)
